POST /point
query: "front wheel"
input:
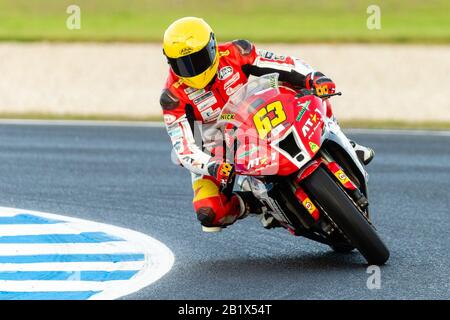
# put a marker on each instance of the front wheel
(343, 212)
(342, 248)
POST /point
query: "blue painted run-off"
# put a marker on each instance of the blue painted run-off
(117, 257)
(47, 295)
(65, 276)
(25, 218)
(68, 275)
(84, 237)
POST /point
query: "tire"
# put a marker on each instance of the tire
(342, 249)
(322, 187)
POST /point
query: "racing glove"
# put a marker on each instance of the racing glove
(319, 83)
(221, 171)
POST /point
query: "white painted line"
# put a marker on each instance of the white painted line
(94, 123)
(39, 229)
(59, 285)
(157, 258)
(399, 132)
(66, 248)
(73, 266)
(160, 124)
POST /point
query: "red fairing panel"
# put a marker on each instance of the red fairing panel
(311, 122)
(256, 156)
(304, 115)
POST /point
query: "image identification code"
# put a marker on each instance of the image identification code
(225, 309)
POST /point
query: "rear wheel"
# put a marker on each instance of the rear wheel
(343, 212)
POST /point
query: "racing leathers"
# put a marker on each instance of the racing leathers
(184, 106)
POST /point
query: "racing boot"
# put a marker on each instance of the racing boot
(268, 221)
(251, 205)
(248, 204)
(365, 154)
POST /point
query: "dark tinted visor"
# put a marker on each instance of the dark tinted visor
(195, 63)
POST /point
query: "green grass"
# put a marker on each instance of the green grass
(55, 116)
(402, 21)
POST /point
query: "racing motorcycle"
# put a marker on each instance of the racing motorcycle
(299, 164)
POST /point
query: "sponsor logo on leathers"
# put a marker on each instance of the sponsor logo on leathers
(225, 72)
(169, 118)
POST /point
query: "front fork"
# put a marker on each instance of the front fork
(336, 170)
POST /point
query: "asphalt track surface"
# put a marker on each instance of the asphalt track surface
(122, 175)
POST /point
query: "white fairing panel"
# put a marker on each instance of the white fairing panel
(333, 132)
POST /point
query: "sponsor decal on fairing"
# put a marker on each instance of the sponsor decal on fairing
(227, 116)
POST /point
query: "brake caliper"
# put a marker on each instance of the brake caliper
(307, 203)
(345, 181)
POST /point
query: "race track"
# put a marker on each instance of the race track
(122, 175)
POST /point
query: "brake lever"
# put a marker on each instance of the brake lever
(325, 96)
(307, 92)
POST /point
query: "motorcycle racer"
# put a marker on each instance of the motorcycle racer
(203, 75)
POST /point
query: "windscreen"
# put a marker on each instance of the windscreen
(249, 97)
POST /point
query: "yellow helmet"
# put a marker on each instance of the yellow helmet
(191, 50)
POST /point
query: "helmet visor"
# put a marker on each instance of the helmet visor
(194, 64)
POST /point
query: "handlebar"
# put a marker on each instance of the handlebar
(306, 92)
(324, 96)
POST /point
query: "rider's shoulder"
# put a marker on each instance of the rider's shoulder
(241, 47)
(169, 100)
(170, 96)
(245, 47)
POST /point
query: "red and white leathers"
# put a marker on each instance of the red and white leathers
(183, 105)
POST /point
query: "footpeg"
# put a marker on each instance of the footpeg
(268, 221)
